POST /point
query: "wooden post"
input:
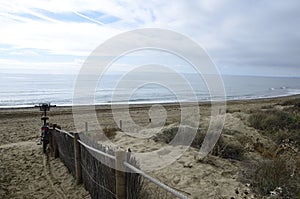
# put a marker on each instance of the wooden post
(86, 127)
(121, 124)
(77, 159)
(120, 175)
(54, 143)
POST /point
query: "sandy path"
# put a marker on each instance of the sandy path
(51, 180)
(24, 170)
(46, 163)
(26, 173)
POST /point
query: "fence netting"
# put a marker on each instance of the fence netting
(134, 182)
(65, 150)
(98, 173)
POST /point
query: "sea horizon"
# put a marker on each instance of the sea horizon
(26, 90)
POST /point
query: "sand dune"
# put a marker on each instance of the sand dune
(26, 173)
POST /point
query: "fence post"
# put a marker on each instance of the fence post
(120, 124)
(120, 175)
(77, 159)
(54, 143)
(86, 127)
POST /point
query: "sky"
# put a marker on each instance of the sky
(255, 37)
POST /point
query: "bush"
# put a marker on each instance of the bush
(198, 140)
(269, 175)
(228, 149)
(224, 148)
(292, 137)
(295, 102)
(110, 132)
(273, 120)
(266, 175)
(232, 110)
(267, 107)
(167, 135)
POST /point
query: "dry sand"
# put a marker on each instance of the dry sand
(26, 173)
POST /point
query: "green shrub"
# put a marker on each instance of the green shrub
(273, 120)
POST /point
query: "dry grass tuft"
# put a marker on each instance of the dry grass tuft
(269, 174)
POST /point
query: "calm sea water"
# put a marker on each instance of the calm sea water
(28, 89)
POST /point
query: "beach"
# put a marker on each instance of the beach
(26, 173)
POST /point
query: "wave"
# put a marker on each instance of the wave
(293, 91)
(34, 90)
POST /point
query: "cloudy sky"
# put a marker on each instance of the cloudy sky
(242, 37)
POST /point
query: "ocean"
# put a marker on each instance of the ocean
(25, 90)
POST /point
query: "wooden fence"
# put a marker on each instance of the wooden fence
(100, 168)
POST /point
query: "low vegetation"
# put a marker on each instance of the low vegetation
(280, 125)
(289, 136)
(228, 149)
(291, 102)
(273, 120)
(267, 176)
(167, 135)
(279, 173)
(224, 148)
(276, 170)
(110, 132)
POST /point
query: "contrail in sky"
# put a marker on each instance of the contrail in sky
(88, 18)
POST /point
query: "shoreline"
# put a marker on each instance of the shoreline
(146, 104)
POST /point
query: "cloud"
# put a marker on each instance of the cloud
(257, 35)
(50, 67)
